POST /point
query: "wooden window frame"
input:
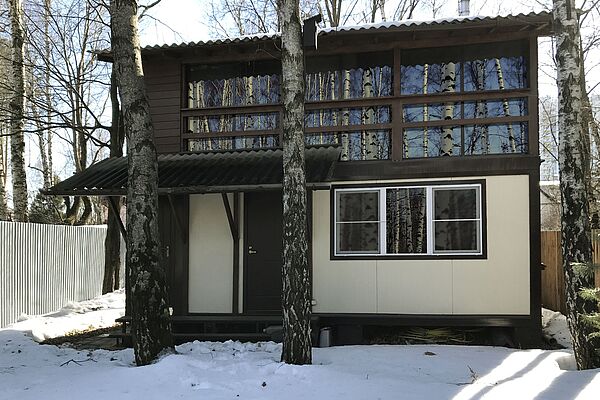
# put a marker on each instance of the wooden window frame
(396, 103)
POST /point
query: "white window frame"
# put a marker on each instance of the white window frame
(430, 222)
(379, 221)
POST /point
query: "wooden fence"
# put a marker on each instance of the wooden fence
(553, 282)
(43, 267)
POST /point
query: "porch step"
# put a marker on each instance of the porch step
(123, 338)
(223, 337)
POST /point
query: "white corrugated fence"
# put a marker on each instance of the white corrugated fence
(43, 267)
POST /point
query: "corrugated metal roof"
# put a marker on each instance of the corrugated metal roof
(202, 172)
(411, 24)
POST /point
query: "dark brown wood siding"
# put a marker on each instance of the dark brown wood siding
(163, 84)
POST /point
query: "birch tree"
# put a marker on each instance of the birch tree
(574, 168)
(296, 297)
(150, 324)
(448, 86)
(17, 105)
(5, 65)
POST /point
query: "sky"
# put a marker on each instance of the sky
(190, 25)
(168, 24)
(176, 21)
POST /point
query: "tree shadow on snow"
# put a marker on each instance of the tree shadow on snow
(569, 385)
(480, 393)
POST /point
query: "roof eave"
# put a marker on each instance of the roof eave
(537, 24)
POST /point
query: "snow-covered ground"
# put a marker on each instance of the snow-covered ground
(100, 312)
(555, 326)
(234, 370)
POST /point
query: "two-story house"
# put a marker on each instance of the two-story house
(422, 167)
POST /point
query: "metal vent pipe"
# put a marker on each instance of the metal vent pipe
(463, 8)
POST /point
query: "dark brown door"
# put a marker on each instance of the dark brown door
(175, 249)
(263, 248)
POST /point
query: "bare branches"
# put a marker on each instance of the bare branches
(145, 7)
(243, 17)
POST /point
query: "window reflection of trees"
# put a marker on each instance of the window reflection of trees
(464, 69)
(406, 221)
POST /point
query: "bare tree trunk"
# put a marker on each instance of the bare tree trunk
(425, 112)
(150, 324)
(574, 164)
(505, 107)
(48, 153)
(369, 138)
(17, 105)
(4, 214)
(296, 301)
(3, 207)
(481, 110)
(344, 136)
(448, 86)
(334, 11)
(112, 243)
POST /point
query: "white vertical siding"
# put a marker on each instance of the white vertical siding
(42, 267)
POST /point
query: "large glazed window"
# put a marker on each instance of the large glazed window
(464, 69)
(456, 101)
(238, 84)
(494, 122)
(237, 105)
(363, 133)
(434, 220)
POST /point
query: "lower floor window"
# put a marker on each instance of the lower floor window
(408, 220)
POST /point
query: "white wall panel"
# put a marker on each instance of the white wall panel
(211, 256)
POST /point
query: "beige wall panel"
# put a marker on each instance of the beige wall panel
(338, 286)
(211, 257)
(500, 284)
(414, 286)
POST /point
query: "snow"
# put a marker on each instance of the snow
(233, 370)
(555, 326)
(100, 312)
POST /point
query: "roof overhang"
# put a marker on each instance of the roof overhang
(538, 24)
(215, 172)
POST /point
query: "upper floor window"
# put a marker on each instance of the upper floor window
(464, 69)
(235, 84)
(493, 124)
(364, 132)
(453, 101)
(351, 76)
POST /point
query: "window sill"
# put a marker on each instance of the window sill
(427, 257)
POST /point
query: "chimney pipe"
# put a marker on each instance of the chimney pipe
(463, 8)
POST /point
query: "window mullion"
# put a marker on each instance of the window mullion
(429, 213)
(383, 221)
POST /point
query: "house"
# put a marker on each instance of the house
(422, 168)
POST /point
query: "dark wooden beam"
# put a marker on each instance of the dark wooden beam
(397, 117)
(113, 207)
(236, 255)
(232, 223)
(468, 121)
(177, 220)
